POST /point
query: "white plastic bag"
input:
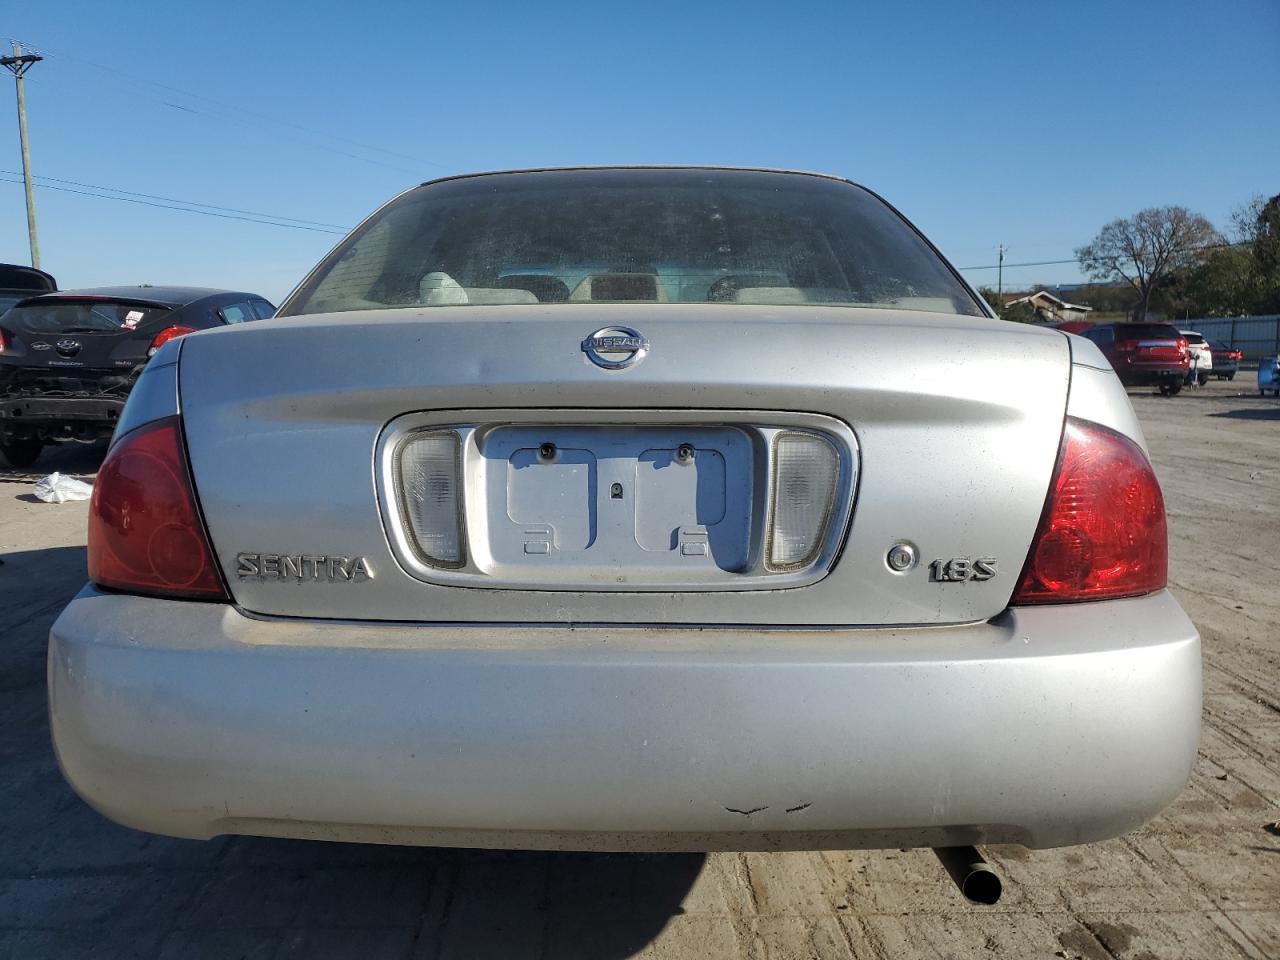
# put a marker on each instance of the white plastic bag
(55, 488)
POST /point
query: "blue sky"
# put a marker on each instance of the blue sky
(1017, 123)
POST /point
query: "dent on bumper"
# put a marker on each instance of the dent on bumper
(1048, 726)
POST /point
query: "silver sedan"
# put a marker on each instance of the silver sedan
(629, 509)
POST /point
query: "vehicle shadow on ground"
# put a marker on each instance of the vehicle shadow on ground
(1188, 394)
(73, 884)
(1251, 413)
(79, 460)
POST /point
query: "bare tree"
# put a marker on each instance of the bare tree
(1244, 219)
(1146, 249)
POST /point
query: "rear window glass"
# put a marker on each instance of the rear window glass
(1194, 338)
(627, 236)
(236, 313)
(1147, 331)
(84, 316)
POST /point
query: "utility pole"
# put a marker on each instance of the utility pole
(1000, 275)
(18, 65)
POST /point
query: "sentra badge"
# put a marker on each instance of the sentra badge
(302, 567)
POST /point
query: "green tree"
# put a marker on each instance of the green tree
(1145, 250)
(1224, 285)
(989, 294)
(1266, 256)
(1019, 313)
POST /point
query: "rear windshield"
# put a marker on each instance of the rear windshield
(622, 236)
(8, 299)
(1194, 338)
(51, 317)
(1147, 331)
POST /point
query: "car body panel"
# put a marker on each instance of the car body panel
(1098, 396)
(1047, 726)
(957, 459)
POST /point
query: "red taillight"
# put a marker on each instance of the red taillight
(167, 334)
(1103, 532)
(5, 339)
(1183, 346)
(145, 534)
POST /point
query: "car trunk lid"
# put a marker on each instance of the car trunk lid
(944, 432)
(1151, 343)
(83, 333)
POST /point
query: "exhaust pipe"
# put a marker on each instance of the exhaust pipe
(976, 880)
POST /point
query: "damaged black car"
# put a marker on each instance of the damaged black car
(68, 360)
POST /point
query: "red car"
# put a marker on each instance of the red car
(1144, 353)
(1226, 362)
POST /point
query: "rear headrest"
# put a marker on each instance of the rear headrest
(441, 290)
(771, 295)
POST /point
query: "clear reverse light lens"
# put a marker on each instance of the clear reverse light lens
(805, 469)
(430, 496)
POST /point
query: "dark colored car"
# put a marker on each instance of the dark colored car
(68, 360)
(18, 282)
(1226, 361)
(1144, 354)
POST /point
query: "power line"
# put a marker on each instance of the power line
(251, 125)
(257, 127)
(261, 118)
(1053, 263)
(189, 203)
(165, 206)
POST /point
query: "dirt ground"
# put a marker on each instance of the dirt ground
(1202, 881)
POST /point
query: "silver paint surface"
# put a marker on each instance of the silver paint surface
(1048, 726)
(957, 421)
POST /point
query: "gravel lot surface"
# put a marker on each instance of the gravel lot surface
(1202, 881)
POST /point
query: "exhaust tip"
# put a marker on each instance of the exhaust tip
(977, 882)
(982, 886)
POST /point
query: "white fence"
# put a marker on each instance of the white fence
(1256, 336)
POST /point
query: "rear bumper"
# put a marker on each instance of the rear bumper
(1048, 726)
(1137, 375)
(54, 416)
